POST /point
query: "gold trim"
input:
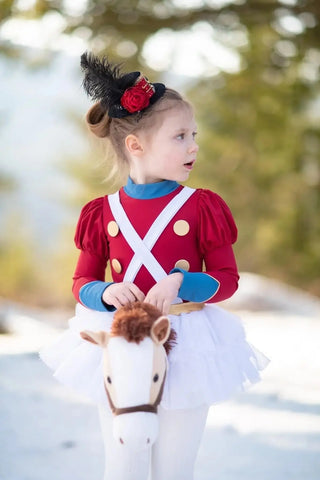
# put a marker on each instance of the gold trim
(178, 308)
(215, 293)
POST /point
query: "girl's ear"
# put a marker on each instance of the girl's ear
(133, 144)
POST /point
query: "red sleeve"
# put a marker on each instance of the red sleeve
(90, 238)
(217, 233)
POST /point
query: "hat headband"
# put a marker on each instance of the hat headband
(120, 95)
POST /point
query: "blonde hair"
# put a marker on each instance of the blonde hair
(115, 130)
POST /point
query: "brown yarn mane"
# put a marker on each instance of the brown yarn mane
(133, 321)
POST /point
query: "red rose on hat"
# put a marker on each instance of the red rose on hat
(137, 98)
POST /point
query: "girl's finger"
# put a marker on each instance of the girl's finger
(139, 295)
(130, 297)
(126, 297)
(150, 300)
(159, 304)
(109, 299)
(147, 298)
(165, 307)
(115, 303)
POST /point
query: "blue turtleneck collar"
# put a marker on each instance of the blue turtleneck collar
(150, 190)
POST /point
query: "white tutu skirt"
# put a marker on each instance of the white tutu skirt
(210, 362)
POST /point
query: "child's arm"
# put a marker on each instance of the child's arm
(215, 285)
(216, 234)
(90, 289)
(89, 286)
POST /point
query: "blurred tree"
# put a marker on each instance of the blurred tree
(17, 262)
(260, 149)
(7, 183)
(122, 26)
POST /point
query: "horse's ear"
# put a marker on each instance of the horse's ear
(160, 330)
(98, 338)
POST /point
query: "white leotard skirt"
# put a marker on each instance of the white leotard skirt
(210, 362)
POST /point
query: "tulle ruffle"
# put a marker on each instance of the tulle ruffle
(211, 361)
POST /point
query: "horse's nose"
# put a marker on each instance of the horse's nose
(122, 442)
(136, 430)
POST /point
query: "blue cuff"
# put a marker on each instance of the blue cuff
(90, 296)
(197, 286)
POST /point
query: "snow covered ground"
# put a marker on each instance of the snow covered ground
(271, 432)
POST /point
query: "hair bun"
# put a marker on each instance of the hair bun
(98, 121)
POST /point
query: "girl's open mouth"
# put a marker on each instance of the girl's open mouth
(189, 164)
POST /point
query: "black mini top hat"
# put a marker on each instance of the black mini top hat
(120, 94)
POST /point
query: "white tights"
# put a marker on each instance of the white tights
(173, 455)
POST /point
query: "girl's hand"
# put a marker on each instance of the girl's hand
(162, 294)
(119, 294)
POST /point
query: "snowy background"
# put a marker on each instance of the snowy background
(271, 432)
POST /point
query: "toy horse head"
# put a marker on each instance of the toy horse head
(134, 370)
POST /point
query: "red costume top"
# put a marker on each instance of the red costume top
(198, 238)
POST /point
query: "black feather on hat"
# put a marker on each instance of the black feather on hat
(103, 82)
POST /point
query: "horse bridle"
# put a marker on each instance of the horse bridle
(147, 407)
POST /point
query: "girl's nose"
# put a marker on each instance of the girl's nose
(194, 147)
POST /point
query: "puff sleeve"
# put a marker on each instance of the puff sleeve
(216, 224)
(217, 232)
(91, 240)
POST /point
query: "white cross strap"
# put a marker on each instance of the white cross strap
(142, 248)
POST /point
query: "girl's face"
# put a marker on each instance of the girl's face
(169, 151)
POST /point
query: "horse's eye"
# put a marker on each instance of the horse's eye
(109, 380)
(156, 377)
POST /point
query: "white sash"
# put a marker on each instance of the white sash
(142, 248)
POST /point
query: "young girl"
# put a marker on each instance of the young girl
(168, 245)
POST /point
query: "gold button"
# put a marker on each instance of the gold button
(181, 227)
(116, 265)
(113, 228)
(184, 264)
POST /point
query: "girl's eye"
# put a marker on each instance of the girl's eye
(194, 134)
(180, 136)
(109, 380)
(156, 377)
